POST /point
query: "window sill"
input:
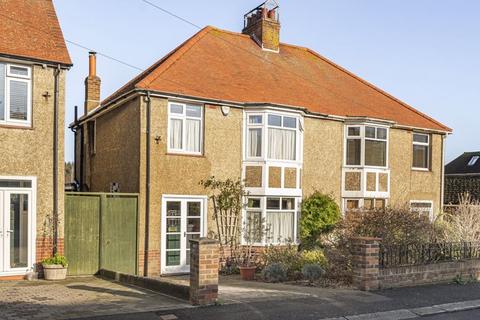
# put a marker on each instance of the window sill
(16, 126)
(421, 169)
(193, 155)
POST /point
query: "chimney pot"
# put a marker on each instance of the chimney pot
(92, 64)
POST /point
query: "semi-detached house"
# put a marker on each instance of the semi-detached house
(33, 63)
(282, 117)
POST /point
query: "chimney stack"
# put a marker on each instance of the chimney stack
(263, 25)
(92, 84)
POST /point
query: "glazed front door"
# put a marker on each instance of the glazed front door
(15, 208)
(183, 220)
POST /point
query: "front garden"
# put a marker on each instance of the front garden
(323, 254)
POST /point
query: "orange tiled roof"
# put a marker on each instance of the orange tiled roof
(228, 66)
(30, 29)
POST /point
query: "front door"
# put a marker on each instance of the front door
(15, 225)
(183, 220)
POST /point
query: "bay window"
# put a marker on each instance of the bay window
(185, 134)
(15, 94)
(272, 136)
(366, 146)
(277, 216)
(421, 151)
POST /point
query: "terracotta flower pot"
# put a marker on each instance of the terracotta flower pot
(247, 273)
(54, 272)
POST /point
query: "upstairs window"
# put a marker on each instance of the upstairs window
(15, 94)
(421, 151)
(185, 134)
(272, 136)
(366, 146)
(255, 136)
(282, 137)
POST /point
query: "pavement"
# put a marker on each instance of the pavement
(78, 297)
(241, 300)
(95, 298)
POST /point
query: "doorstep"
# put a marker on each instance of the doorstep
(12, 278)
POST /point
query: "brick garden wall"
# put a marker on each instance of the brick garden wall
(367, 274)
(425, 274)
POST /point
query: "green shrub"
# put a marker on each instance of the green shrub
(56, 259)
(312, 272)
(320, 213)
(287, 255)
(275, 272)
(313, 257)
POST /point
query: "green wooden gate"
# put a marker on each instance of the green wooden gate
(101, 232)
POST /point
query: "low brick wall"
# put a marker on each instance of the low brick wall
(367, 274)
(173, 289)
(430, 273)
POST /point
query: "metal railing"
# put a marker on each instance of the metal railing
(421, 254)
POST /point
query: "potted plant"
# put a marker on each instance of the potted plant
(55, 268)
(253, 232)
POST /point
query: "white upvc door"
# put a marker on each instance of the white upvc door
(2, 234)
(183, 219)
(16, 235)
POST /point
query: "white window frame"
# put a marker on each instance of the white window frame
(362, 137)
(423, 144)
(264, 211)
(430, 215)
(184, 117)
(265, 126)
(14, 77)
(255, 126)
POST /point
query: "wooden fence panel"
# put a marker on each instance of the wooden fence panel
(101, 232)
(118, 241)
(82, 217)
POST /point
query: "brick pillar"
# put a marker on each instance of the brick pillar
(204, 255)
(366, 262)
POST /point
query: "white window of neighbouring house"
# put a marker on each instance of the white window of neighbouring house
(185, 132)
(15, 94)
(423, 207)
(278, 216)
(421, 151)
(366, 146)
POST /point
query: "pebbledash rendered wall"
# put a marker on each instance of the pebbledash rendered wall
(28, 152)
(367, 274)
(121, 157)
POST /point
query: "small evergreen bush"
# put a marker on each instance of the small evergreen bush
(313, 257)
(312, 272)
(275, 272)
(320, 213)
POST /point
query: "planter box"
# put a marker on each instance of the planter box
(54, 272)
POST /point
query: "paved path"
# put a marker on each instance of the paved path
(77, 297)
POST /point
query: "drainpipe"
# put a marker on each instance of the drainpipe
(147, 185)
(442, 170)
(55, 160)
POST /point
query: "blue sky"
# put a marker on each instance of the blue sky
(425, 53)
